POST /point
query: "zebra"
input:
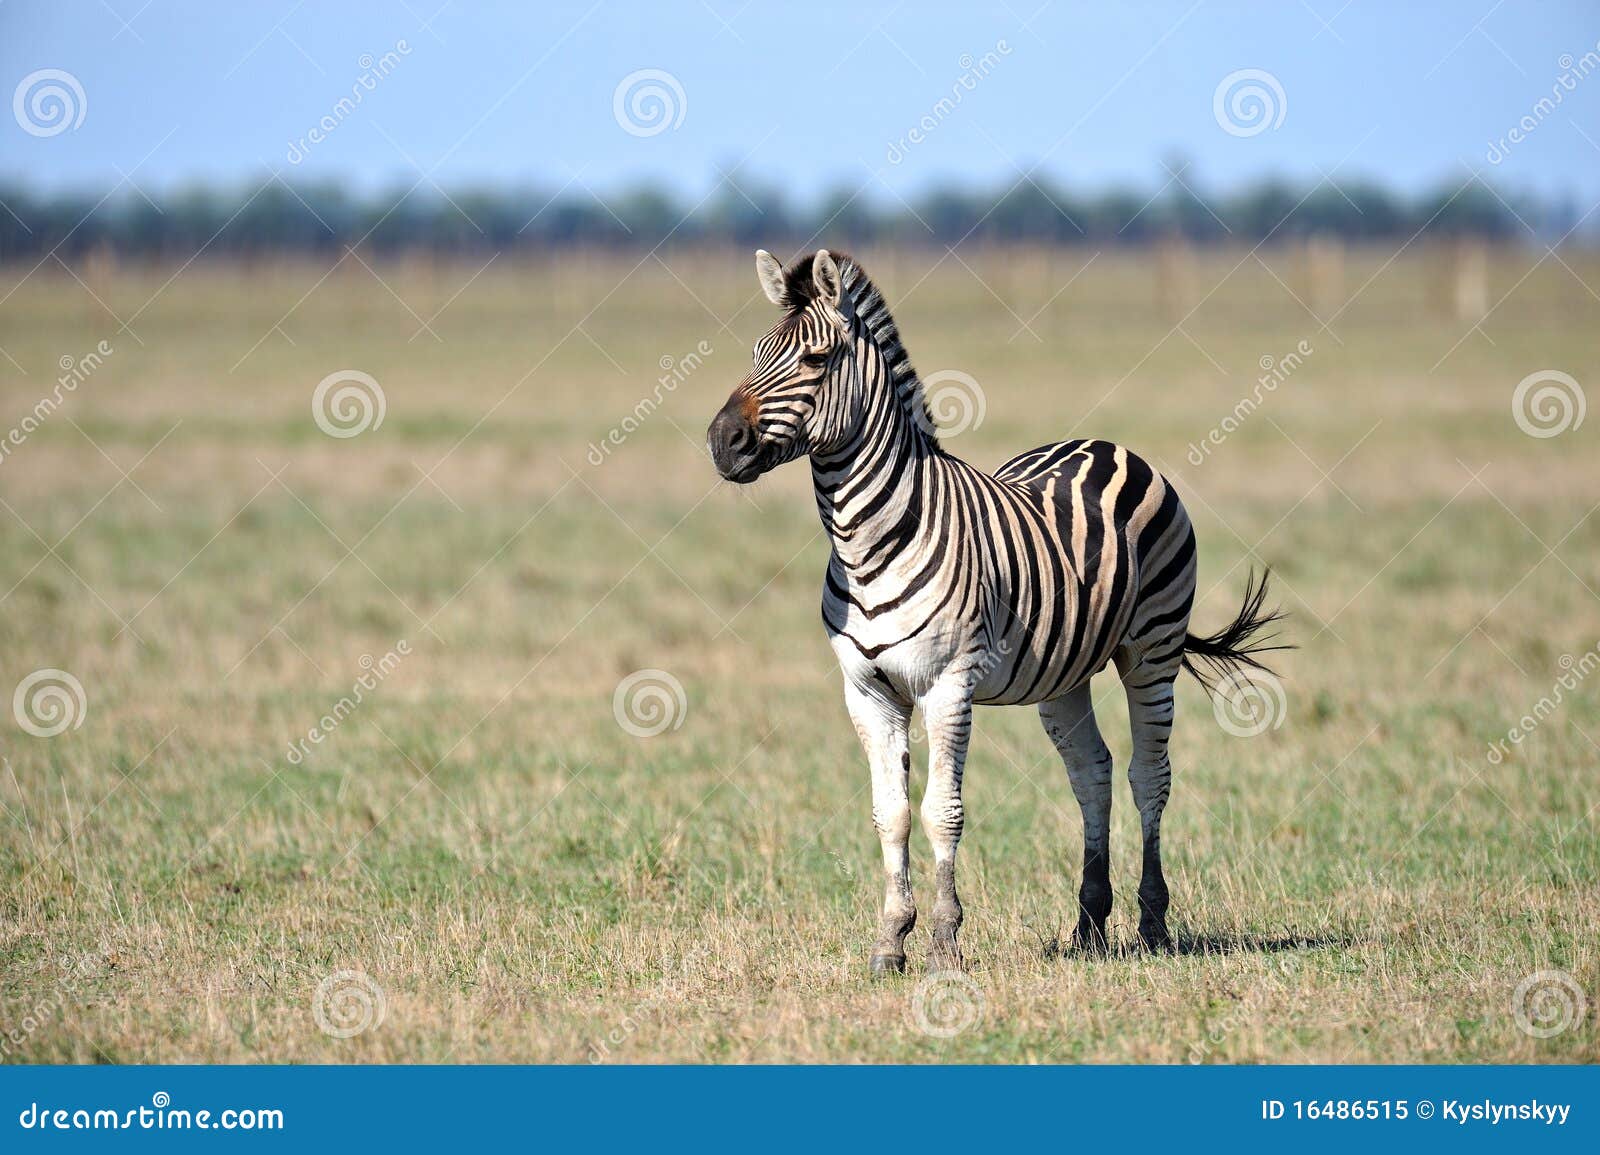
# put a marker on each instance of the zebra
(948, 587)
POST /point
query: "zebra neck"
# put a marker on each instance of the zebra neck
(872, 483)
(882, 354)
(871, 498)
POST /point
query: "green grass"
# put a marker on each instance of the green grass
(524, 879)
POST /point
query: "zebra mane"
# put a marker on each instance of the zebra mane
(872, 311)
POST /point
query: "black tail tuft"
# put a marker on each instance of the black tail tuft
(1235, 646)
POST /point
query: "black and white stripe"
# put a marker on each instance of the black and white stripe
(949, 587)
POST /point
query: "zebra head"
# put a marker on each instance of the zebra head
(775, 414)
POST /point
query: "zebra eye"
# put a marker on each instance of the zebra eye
(814, 360)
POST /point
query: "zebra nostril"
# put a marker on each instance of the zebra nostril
(731, 439)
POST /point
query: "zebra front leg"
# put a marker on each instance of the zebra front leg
(947, 714)
(1150, 775)
(1069, 720)
(883, 725)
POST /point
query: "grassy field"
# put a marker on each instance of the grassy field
(511, 874)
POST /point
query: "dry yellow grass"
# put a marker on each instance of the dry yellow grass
(523, 879)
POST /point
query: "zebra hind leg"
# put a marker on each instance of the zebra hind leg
(1069, 720)
(1150, 710)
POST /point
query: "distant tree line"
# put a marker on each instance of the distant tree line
(320, 218)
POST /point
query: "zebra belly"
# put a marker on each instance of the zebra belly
(1028, 665)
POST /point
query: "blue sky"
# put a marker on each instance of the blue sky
(803, 97)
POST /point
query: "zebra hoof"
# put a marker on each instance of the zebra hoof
(888, 964)
(945, 957)
(1090, 941)
(1155, 939)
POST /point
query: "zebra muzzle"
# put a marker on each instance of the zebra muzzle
(733, 444)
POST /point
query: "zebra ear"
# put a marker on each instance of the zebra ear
(825, 275)
(770, 273)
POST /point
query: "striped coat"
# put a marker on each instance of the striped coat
(948, 586)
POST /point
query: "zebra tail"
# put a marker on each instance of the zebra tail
(1231, 649)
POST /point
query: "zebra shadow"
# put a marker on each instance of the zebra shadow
(1224, 944)
(1190, 944)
